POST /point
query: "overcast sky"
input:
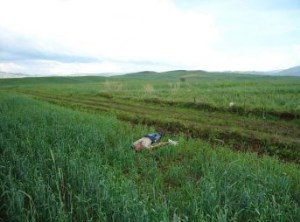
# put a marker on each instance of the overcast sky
(106, 36)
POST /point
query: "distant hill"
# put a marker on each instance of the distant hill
(168, 75)
(4, 75)
(8, 75)
(294, 71)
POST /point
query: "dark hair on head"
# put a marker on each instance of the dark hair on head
(161, 133)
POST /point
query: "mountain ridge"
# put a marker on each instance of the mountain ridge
(292, 71)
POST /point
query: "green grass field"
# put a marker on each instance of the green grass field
(66, 156)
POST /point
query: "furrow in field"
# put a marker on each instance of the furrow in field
(253, 140)
(237, 110)
(211, 119)
(215, 118)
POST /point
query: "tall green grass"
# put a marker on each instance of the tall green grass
(63, 165)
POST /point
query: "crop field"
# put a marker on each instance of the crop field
(66, 155)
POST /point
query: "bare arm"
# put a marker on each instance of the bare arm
(158, 145)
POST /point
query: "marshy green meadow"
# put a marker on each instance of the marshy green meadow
(66, 153)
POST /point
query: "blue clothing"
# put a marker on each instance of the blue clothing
(154, 137)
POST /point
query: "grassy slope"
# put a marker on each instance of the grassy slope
(265, 119)
(243, 133)
(218, 89)
(62, 165)
(260, 93)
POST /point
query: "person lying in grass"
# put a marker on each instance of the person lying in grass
(146, 141)
(149, 141)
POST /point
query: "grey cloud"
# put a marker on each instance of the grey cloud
(32, 55)
(14, 47)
